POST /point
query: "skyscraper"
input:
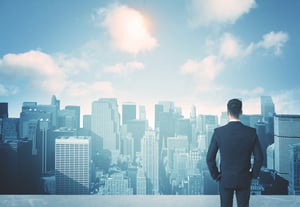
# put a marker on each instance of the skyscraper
(10, 128)
(137, 129)
(43, 145)
(174, 144)
(117, 184)
(267, 106)
(3, 110)
(87, 121)
(286, 132)
(17, 174)
(142, 112)
(294, 174)
(72, 165)
(141, 184)
(128, 112)
(76, 110)
(150, 160)
(106, 122)
(159, 108)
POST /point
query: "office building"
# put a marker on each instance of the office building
(142, 112)
(117, 184)
(72, 165)
(150, 160)
(69, 117)
(10, 128)
(286, 132)
(76, 110)
(3, 110)
(250, 120)
(158, 110)
(44, 146)
(128, 112)
(271, 157)
(195, 184)
(267, 106)
(294, 173)
(18, 175)
(137, 129)
(173, 145)
(29, 117)
(141, 182)
(184, 127)
(87, 121)
(128, 146)
(106, 122)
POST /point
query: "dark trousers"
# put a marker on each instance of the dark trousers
(242, 196)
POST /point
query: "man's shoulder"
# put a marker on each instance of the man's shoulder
(249, 128)
(237, 124)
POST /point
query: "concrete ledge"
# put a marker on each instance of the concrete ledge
(137, 201)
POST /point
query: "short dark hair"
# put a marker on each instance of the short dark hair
(234, 107)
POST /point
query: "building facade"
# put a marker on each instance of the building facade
(286, 132)
(72, 165)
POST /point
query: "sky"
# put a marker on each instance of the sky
(193, 52)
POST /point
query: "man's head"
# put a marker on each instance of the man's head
(234, 108)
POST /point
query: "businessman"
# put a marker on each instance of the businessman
(236, 144)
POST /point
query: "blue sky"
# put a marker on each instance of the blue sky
(192, 52)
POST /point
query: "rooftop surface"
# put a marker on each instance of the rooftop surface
(137, 201)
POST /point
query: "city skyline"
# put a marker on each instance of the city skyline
(189, 52)
(47, 138)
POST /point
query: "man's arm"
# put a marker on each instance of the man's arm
(211, 158)
(258, 158)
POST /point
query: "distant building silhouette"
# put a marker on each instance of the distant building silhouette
(128, 112)
(3, 110)
(87, 121)
(267, 106)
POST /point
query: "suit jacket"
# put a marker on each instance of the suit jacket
(236, 143)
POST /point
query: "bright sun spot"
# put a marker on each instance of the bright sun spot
(129, 29)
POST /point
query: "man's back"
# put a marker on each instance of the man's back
(236, 143)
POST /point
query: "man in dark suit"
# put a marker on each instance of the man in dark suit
(236, 143)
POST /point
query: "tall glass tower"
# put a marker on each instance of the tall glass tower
(128, 112)
(150, 160)
(72, 165)
(106, 122)
(267, 106)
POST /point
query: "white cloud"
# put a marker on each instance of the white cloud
(206, 12)
(124, 68)
(36, 66)
(90, 90)
(203, 72)
(287, 101)
(71, 65)
(230, 48)
(128, 28)
(208, 68)
(3, 90)
(257, 91)
(273, 40)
